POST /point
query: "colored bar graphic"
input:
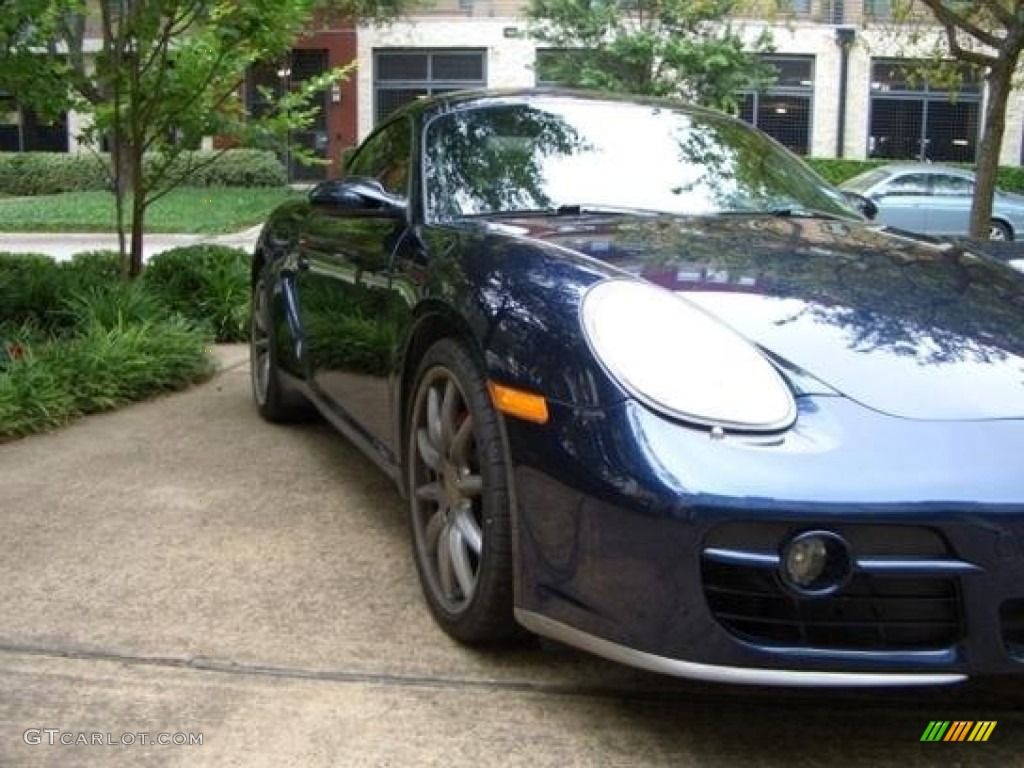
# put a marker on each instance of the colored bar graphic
(959, 730)
(935, 731)
(982, 730)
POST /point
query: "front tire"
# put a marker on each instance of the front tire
(459, 499)
(999, 231)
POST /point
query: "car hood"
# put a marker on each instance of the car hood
(907, 326)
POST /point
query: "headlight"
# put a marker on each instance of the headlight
(681, 361)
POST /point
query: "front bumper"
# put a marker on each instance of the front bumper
(649, 543)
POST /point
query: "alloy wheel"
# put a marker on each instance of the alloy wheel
(447, 489)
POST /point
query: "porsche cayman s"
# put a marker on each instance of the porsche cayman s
(653, 389)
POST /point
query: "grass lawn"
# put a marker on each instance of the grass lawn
(185, 210)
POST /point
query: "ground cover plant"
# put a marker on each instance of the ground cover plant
(75, 338)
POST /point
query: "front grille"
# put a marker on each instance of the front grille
(877, 611)
(873, 612)
(1011, 616)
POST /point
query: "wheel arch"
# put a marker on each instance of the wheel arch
(258, 260)
(1005, 222)
(432, 323)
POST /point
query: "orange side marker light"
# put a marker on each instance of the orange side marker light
(523, 405)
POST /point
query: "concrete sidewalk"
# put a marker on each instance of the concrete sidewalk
(62, 246)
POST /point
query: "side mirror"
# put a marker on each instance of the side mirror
(863, 204)
(357, 195)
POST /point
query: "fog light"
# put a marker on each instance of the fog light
(816, 563)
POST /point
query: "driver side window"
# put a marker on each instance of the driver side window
(386, 156)
(908, 184)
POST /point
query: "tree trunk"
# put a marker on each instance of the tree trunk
(999, 85)
(138, 198)
(120, 159)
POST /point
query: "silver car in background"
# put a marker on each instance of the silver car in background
(934, 200)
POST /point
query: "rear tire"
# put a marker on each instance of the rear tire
(459, 498)
(273, 402)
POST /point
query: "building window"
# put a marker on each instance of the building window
(910, 120)
(23, 130)
(783, 110)
(401, 77)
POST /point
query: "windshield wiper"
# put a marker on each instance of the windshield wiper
(573, 209)
(581, 209)
(799, 212)
(786, 211)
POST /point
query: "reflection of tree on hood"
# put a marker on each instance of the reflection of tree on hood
(937, 304)
(480, 161)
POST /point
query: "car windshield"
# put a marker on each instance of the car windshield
(557, 155)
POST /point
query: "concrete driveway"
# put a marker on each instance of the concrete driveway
(180, 567)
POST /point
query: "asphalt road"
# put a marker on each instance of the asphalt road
(180, 567)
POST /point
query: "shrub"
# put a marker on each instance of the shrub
(209, 284)
(837, 169)
(30, 289)
(48, 173)
(235, 168)
(1011, 179)
(26, 174)
(36, 291)
(90, 267)
(101, 369)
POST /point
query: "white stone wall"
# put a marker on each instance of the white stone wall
(77, 125)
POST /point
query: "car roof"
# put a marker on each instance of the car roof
(895, 168)
(455, 100)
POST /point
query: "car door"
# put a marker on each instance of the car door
(344, 290)
(903, 201)
(950, 210)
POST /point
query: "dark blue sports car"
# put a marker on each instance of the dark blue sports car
(654, 389)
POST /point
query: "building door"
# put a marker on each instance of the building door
(314, 139)
(276, 79)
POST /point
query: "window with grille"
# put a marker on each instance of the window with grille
(24, 130)
(878, 10)
(401, 77)
(783, 110)
(911, 120)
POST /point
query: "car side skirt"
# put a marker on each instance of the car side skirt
(556, 630)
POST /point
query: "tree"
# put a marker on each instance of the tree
(168, 73)
(666, 48)
(989, 35)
